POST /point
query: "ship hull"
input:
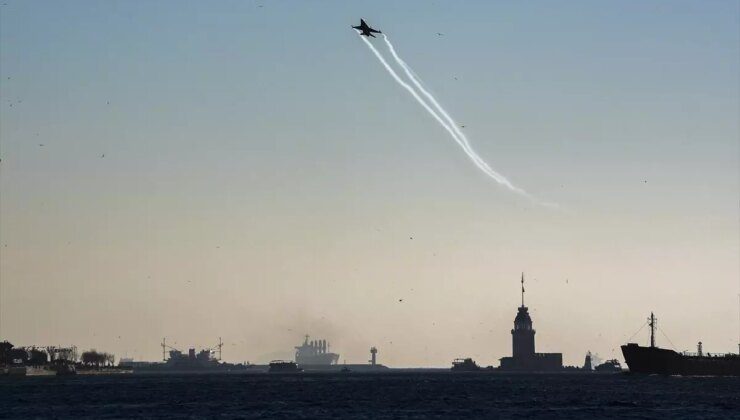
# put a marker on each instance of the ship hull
(654, 360)
(321, 359)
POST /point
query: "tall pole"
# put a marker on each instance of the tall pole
(652, 330)
(522, 289)
(164, 345)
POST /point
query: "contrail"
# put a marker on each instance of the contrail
(466, 148)
(412, 92)
(450, 125)
(460, 136)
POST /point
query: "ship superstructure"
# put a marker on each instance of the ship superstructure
(315, 353)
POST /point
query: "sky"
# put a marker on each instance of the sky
(248, 170)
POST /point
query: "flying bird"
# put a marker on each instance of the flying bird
(366, 30)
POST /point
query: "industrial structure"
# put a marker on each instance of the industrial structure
(524, 357)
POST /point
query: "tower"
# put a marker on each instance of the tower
(587, 364)
(373, 354)
(522, 335)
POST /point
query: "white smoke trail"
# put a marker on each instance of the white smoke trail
(411, 91)
(450, 129)
(450, 125)
(460, 137)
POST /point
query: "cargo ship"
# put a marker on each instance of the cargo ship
(655, 360)
(180, 362)
(314, 356)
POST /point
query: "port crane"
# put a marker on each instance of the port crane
(217, 347)
(164, 349)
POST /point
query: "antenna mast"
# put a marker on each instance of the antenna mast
(522, 289)
(164, 346)
(220, 344)
(652, 329)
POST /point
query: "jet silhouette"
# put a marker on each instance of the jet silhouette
(365, 29)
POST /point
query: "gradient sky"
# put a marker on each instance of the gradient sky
(263, 176)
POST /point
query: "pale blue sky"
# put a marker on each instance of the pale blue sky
(260, 164)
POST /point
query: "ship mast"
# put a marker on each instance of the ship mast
(652, 329)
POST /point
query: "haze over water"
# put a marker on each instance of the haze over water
(197, 170)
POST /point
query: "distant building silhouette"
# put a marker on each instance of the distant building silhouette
(524, 357)
(373, 356)
(587, 366)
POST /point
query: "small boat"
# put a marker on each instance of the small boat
(612, 365)
(464, 365)
(15, 371)
(66, 369)
(283, 366)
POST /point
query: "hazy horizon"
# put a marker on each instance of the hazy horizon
(248, 170)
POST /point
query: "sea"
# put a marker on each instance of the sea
(371, 395)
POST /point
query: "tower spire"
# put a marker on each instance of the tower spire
(522, 289)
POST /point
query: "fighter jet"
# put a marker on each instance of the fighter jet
(365, 29)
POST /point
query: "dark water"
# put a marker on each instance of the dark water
(395, 395)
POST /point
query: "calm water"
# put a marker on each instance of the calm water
(395, 395)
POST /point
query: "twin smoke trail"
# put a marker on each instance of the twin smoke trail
(444, 120)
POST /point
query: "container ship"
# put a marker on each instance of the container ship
(655, 360)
